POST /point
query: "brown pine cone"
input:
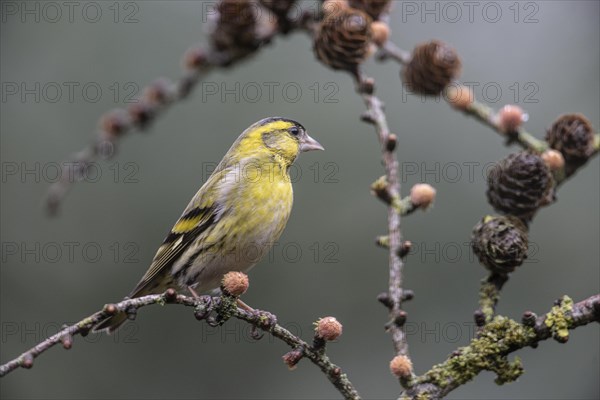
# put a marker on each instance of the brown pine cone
(500, 243)
(520, 184)
(343, 39)
(573, 136)
(372, 7)
(433, 66)
(236, 25)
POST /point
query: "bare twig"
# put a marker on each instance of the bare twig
(224, 307)
(489, 117)
(390, 50)
(375, 115)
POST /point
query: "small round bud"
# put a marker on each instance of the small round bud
(553, 159)
(564, 338)
(381, 32)
(367, 85)
(383, 241)
(141, 113)
(328, 328)
(380, 188)
(265, 319)
(479, 318)
(27, 361)
(384, 298)
(510, 118)
(529, 318)
(400, 319)
(401, 366)
(67, 341)
(158, 92)
(391, 142)
(115, 122)
(235, 283)
(407, 295)
(405, 248)
(110, 309)
(170, 295)
(194, 58)
(557, 302)
(422, 195)
(292, 358)
(459, 96)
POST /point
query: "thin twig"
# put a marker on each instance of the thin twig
(390, 50)
(204, 306)
(488, 116)
(375, 115)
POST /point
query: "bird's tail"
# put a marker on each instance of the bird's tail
(112, 323)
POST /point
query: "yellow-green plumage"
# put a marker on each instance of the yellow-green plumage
(235, 217)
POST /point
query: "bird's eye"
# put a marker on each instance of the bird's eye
(294, 130)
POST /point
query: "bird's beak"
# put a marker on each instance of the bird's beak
(308, 144)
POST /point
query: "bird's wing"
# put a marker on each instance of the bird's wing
(202, 212)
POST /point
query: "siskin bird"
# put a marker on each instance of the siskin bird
(234, 218)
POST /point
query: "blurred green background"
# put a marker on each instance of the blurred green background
(542, 55)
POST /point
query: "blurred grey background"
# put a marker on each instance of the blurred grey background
(542, 55)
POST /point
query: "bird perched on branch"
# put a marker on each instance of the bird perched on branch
(234, 218)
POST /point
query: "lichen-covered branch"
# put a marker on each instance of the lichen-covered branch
(499, 338)
(489, 294)
(215, 311)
